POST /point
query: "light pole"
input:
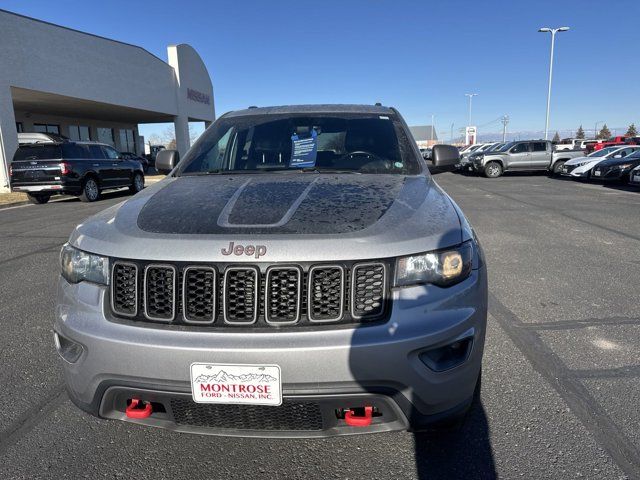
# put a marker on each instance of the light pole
(432, 127)
(553, 32)
(595, 130)
(470, 95)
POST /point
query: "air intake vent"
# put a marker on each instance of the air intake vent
(292, 416)
(199, 294)
(160, 292)
(124, 289)
(326, 293)
(240, 296)
(368, 286)
(282, 295)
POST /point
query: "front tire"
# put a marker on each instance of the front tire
(90, 190)
(138, 183)
(557, 167)
(39, 198)
(492, 170)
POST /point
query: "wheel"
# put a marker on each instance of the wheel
(557, 167)
(38, 198)
(492, 170)
(138, 183)
(90, 190)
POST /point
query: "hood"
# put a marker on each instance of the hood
(577, 160)
(610, 162)
(317, 216)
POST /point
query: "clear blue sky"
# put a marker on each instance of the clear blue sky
(419, 56)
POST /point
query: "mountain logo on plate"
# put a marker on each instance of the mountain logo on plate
(223, 376)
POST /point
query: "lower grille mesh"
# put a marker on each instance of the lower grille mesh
(288, 416)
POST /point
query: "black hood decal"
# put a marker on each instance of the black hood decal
(272, 203)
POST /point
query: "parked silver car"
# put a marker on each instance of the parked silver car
(528, 155)
(298, 273)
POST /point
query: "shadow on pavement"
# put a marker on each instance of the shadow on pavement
(463, 453)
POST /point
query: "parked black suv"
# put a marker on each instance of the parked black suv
(73, 168)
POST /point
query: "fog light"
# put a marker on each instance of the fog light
(449, 356)
(69, 350)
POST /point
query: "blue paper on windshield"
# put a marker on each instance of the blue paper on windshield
(304, 150)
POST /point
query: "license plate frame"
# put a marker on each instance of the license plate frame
(236, 384)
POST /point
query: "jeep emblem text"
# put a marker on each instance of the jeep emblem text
(257, 250)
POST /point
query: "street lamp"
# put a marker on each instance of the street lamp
(470, 95)
(432, 127)
(595, 130)
(553, 32)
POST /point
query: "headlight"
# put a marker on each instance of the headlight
(442, 268)
(78, 266)
(624, 166)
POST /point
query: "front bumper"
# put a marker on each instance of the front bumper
(610, 174)
(376, 365)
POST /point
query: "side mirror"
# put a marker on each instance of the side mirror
(166, 160)
(617, 156)
(444, 157)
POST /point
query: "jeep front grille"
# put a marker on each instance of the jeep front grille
(233, 295)
(282, 294)
(326, 293)
(198, 294)
(368, 286)
(160, 292)
(124, 291)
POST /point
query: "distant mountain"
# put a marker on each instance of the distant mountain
(538, 134)
(223, 376)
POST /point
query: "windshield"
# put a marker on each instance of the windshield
(291, 143)
(603, 152)
(46, 151)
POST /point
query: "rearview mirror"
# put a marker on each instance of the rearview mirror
(166, 160)
(444, 157)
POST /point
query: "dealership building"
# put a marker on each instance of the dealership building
(58, 80)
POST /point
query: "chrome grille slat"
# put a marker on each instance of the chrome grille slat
(124, 288)
(199, 293)
(282, 296)
(326, 293)
(368, 287)
(160, 292)
(241, 290)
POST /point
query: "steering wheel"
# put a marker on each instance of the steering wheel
(375, 163)
(361, 153)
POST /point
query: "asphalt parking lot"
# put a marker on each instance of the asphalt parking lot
(561, 381)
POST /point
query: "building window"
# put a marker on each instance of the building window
(19, 127)
(105, 135)
(127, 140)
(79, 133)
(44, 128)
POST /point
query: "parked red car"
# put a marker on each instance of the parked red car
(619, 140)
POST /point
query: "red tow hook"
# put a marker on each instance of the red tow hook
(138, 409)
(358, 421)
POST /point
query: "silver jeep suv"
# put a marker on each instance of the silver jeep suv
(298, 273)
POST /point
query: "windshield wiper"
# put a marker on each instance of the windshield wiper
(326, 170)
